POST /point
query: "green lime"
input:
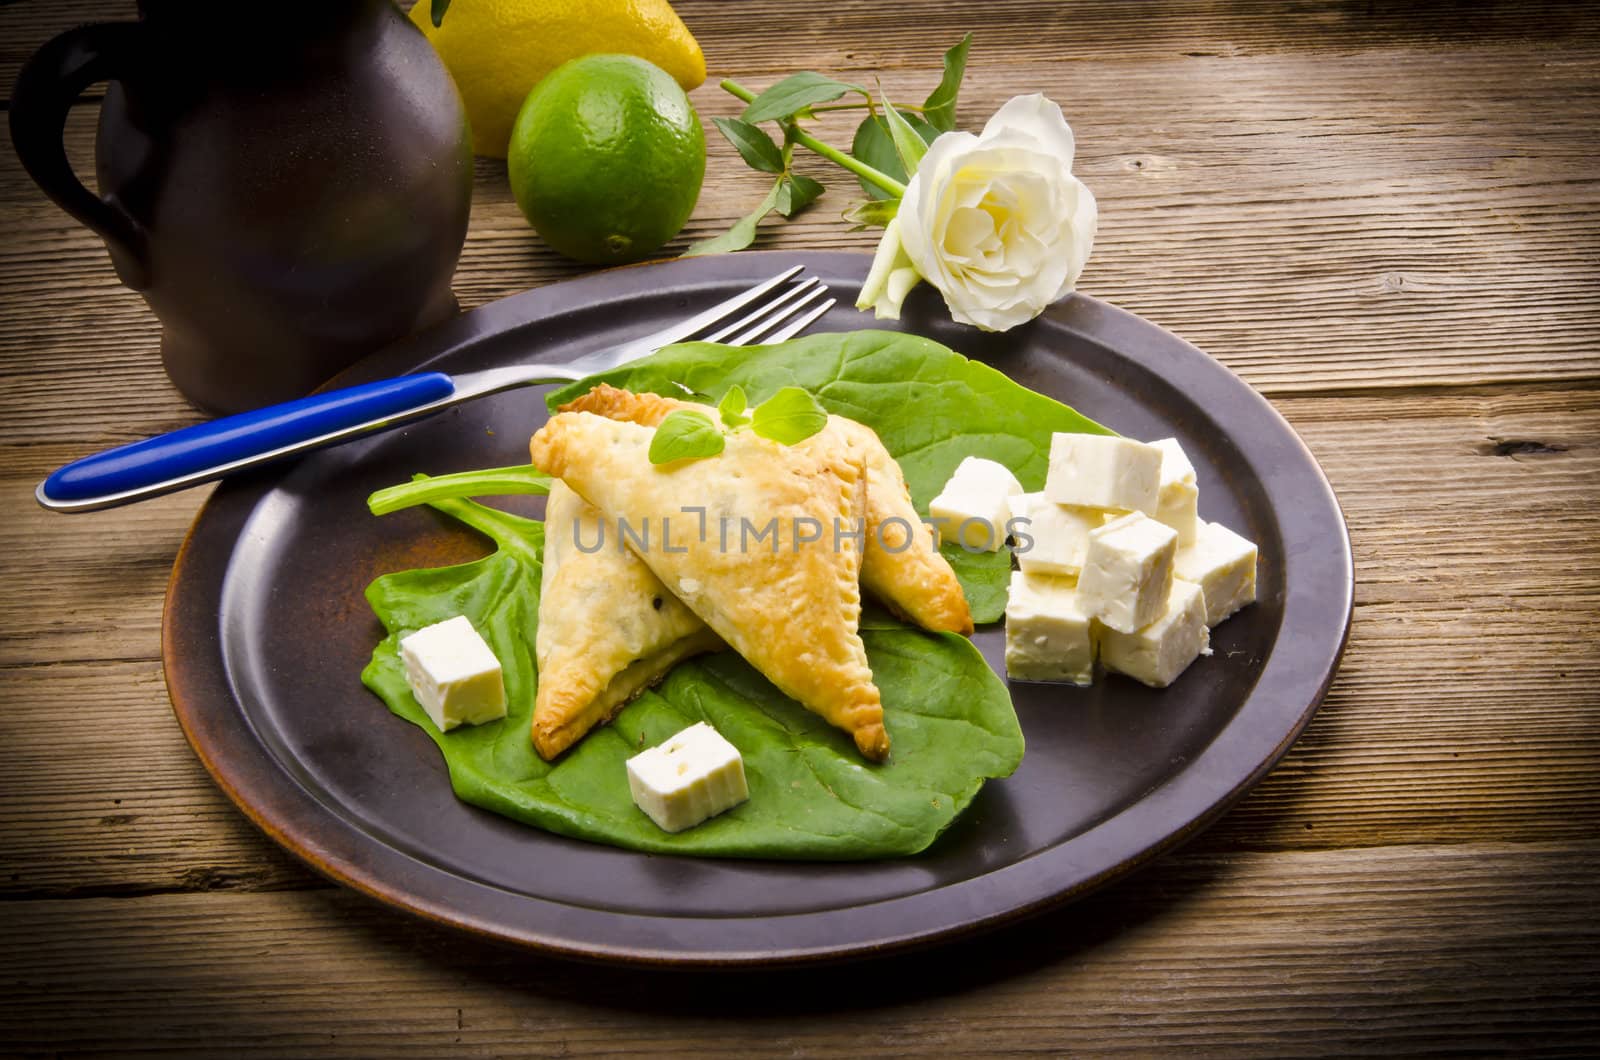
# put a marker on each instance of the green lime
(606, 160)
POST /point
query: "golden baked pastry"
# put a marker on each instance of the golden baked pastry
(901, 565)
(790, 603)
(608, 628)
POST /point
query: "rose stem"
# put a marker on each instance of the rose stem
(828, 151)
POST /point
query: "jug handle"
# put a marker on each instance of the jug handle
(46, 88)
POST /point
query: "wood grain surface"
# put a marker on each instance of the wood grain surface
(1385, 216)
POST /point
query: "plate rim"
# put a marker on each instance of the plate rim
(247, 772)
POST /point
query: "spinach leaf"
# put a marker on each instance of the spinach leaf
(811, 794)
(930, 405)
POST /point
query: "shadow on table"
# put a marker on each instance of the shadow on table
(1078, 932)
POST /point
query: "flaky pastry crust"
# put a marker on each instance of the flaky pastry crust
(901, 564)
(790, 606)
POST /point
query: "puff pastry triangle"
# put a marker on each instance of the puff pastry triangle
(608, 628)
(789, 605)
(901, 564)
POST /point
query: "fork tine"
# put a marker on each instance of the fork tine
(774, 319)
(722, 310)
(789, 331)
(756, 314)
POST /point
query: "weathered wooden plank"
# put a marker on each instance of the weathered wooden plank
(1316, 953)
(860, 34)
(1232, 191)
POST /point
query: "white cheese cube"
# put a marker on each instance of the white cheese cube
(1175, 463)
(1127, 571)
(1159, 652)
(1048, 635)
(987, 476)
(1051, 538)
(1178, 504)
(454, 674)
(1103, 471)
(690, 778)
(1223, 564)
(976, 520)
(1179, 508)
(971, 509)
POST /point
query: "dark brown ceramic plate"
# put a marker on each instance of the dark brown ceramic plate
(267, 630)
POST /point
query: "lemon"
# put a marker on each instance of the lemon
(607, 157)
(497, 50)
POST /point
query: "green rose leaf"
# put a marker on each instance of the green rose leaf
(796, 192)
(873, 213)
(874, 145)
(685, 435)
(940, 108)
(794, 94)
(909, 146)
(752, 143)
(789, 416)
(743, 232)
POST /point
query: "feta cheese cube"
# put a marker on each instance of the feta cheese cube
(1051, 538)
(1048, 635)
(987, 474)
(1223, 564)
(1104, 471)
(454, 674)
(1178, 504)
(1179, 508)
(1175, 463)
(1127, 571)
(972, 508)
(690, 778)
(1157, 653)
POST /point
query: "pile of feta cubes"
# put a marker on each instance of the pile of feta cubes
(1116, 565)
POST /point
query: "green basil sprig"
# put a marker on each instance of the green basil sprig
(789, 416)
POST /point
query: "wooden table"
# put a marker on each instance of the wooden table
(1384, 216)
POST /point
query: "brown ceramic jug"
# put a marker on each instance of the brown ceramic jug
(287, 187)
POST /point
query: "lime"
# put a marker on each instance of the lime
(497, 50)
(606, 158)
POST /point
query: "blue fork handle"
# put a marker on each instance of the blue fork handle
(206, 451)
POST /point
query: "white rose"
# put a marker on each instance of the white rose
(996, 222)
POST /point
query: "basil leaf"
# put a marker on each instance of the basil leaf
(873, 213)
(752, 143)
(875, 146)
(909, 147)
(731, 407)
(436, 11)
(685, 435)
(940, 108)
(789, 416)
(490, 482)
(743, 232)
(795, 93)
(796, 193)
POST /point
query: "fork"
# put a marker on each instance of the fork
(206, 451)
